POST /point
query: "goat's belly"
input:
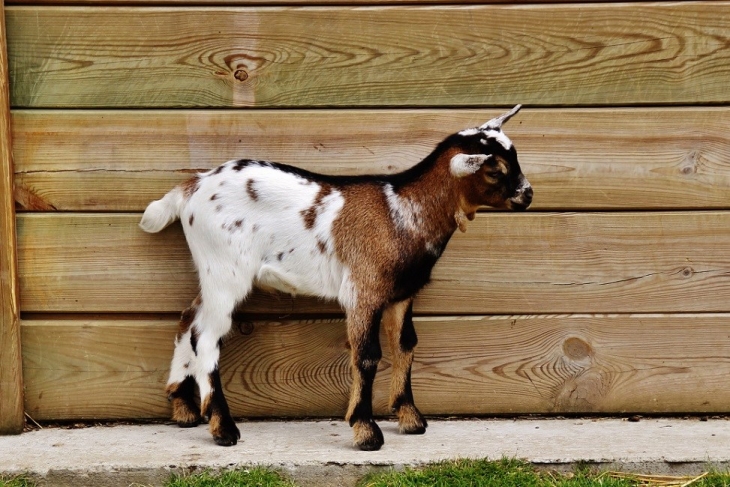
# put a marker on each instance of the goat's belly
(323, 281)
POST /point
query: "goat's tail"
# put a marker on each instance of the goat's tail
(164, 211)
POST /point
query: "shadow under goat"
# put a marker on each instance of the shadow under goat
(370, 242)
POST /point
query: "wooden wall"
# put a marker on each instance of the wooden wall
(611, 295)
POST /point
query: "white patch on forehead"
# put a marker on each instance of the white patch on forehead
(406, 214)
(469, 132)
(499, 136)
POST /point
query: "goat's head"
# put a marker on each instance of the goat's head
(485, 161)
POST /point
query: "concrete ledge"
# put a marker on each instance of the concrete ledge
(321, 452)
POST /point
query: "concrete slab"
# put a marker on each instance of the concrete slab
(321, 452)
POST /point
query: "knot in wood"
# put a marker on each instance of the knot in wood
(576, 349)
(240, 75)
(245, 327)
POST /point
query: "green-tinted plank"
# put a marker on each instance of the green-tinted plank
(573, 54)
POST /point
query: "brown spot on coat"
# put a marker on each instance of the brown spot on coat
(252, 193)
(322, 246)
(191, 186)
(190, 220)
(310, 214)
(214, 197)
(238, 223)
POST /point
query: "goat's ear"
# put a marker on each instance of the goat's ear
(466, 164)
(496, 123)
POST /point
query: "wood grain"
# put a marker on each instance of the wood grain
(314, 3)
(79, 160)
(11, 374)
(506, 263)
(94, 369)
(487, 55)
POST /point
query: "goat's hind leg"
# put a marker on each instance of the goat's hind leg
(181, 386)
(212, 324)
(398, 323)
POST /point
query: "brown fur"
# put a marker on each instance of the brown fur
(251, 190)
(187, 317)
(410, 419)
(367, 435)
(310, 214)
(184, 411)
(190, 186)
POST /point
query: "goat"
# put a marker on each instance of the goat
(368, 241)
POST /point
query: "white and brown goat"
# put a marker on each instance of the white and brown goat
(370, 242)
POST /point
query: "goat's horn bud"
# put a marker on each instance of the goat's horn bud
(496, 123)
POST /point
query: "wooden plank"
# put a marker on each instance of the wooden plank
(544, 55)
(671, 158)
(506, 263)
(314, 3)
(91, 369)
(12, 419)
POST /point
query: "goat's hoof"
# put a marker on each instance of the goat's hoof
(188, 424)
(411, 421)
(368, 436)
(226, 434)
(184, 414)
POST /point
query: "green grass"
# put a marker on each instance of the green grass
(248, 477)
(459, 473)
(19, 481)
(515, 473)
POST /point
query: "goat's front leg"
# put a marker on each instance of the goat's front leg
(363, 327)
(398, 323)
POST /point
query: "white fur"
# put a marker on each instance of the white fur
(405, 213)
(237, 242)
(281, 253)
(466, 164)
(499, 136)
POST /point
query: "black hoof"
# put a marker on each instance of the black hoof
(368, 436)
(227, 435)
(188, 424)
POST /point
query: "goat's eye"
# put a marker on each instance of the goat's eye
(494, 174)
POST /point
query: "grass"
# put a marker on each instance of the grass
(248, 477)
(516, 473)
(458, 473)
(19, 481)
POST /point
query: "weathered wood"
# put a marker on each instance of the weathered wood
(547, 55)
(506, 263)
(95, 369)
(11, 374)
(673, 158)
(315, 3)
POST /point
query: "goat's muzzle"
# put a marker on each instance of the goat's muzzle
(523, 196)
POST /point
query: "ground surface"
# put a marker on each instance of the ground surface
(321, 452)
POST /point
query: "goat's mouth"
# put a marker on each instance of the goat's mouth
(518, 206)
(519, 203)
(522, 198)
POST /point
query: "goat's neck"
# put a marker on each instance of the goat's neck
(435, 191)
